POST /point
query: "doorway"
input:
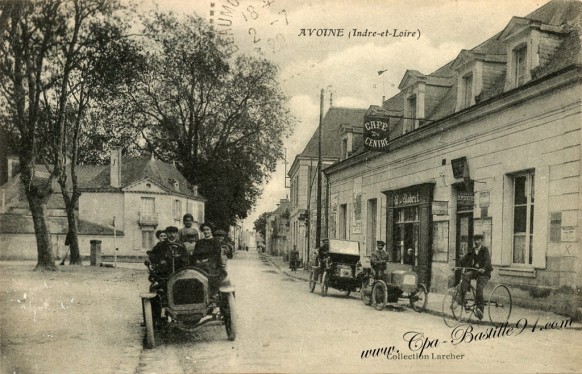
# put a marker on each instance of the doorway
(464, 239)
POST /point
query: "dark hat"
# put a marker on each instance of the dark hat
(171, 229)
(477, 236)
(159, 232)
(220, 233)
(380, 242)
(325, 240)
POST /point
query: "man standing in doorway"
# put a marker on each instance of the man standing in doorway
(478, 257)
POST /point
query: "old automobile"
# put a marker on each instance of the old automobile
(390, 283)
(182, 299)
(339, 270)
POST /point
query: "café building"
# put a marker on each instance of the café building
(487, 144)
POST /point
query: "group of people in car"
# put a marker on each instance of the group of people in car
(179, 248)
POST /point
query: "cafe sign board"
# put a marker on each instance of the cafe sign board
(376, 129)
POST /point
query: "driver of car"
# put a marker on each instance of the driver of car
(169, 255)
(379, 258)
(323, 252)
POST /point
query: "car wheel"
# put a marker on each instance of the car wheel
(230, 319)
(419, 298)
(380, 295)
(149, 323)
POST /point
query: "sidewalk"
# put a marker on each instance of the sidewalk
(435, 300)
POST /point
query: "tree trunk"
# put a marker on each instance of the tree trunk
(71, 206)
(37, 204)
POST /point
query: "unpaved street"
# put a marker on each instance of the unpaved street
(88, 321)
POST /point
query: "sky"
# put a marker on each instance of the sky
(428, 35)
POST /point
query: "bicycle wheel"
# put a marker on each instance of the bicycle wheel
(452, 310)
(499, 307)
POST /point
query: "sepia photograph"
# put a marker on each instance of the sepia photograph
(290, 186)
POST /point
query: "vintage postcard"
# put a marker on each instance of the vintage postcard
(345, 186)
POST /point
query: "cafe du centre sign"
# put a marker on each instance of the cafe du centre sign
(376, 129)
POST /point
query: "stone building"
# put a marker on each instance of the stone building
(137, 195)
(489, 143)
(303, 173)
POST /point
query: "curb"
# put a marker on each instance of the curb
(433, 312)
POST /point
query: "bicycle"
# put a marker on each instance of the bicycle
(499, 303)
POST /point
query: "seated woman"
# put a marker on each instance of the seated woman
(207, 256)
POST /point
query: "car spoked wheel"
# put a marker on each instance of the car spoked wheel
(150, 340)
(366, 293)
(380, 295)
(312, 281)
(419, 299)
(230, 319)
(324, 283)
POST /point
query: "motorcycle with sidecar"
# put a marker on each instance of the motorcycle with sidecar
(182, 298)
(389, 282)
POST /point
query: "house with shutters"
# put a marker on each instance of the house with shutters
(133, 196)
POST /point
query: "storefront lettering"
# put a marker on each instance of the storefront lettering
(407, 198)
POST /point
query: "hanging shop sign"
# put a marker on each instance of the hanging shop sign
(376, 129)
(465, 200)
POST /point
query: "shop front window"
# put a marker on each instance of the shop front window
(406, 235)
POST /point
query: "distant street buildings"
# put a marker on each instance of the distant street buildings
(489, 143)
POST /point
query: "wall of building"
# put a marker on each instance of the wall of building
(543, 134)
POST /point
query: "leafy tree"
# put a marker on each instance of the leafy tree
(260, 224)
(55, 58)
(222, 121)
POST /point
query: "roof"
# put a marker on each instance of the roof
(134, 170)
(97, 178)
(334, 118)
(559, 16)
(21, 224)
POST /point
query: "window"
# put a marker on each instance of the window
(148, 205)
(520, 65)
(296, 190)
(344, 148)
(406, 235)
(371, 226)
(343, 221)
(523, 217)
(147, 239)
(177, 209)
(412, 122)
(467, 99)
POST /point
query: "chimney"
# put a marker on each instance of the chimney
(330, 98)
(195, 190)
(115, 168)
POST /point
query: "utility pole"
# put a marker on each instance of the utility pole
(319, 166)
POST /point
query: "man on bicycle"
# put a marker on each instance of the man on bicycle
(478, 258)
